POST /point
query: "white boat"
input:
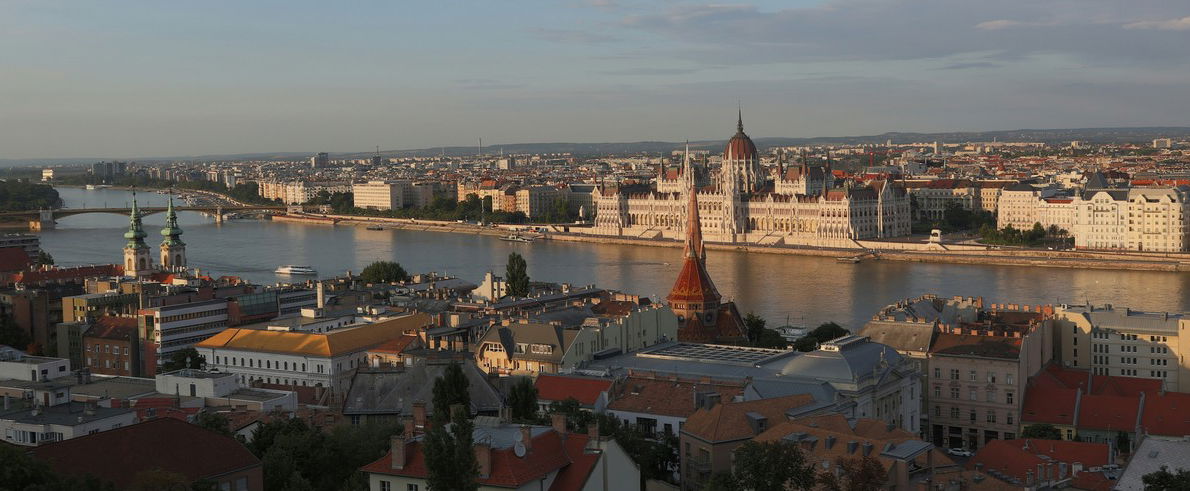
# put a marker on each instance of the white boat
(291, 269)
(91, 187)
(516, 238)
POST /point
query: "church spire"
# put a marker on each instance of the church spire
(136, 232)
(739, 122)
(694, 243)
(171, 231)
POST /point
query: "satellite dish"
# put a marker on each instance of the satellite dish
(519, 449)
(518, 437)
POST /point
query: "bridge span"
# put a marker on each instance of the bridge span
(40, 219)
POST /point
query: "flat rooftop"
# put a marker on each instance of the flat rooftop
(713, 353)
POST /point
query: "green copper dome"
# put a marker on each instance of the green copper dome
(171, 231)
(136, 233)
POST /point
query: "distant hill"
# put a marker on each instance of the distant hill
(1051, 136)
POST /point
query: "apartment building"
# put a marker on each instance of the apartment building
(537, 202)
(383, 195)
(302, 359)
(1124, 342)
(171, 328)
(978, 376)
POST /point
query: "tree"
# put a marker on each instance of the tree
(753, 326)
(186, 358)
(772, 466)
(11, 334)
(522, 399)
(44, 259)
(1043, 431)
(216, 422)
(20, 470)
(384, 272)
(516, 275)
(821, 334)
(159, 480)
(854, 474)
(450, 389)
(450, 456)
(1165, 480)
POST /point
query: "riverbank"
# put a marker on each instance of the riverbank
(1127, 261)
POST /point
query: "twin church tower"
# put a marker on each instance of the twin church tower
(136, 254)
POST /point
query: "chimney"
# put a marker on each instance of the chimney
(419, 414)
(409, 428)
(558, 421)
(483, 457)
(851, 446)
(830, 442)
(527, 437)
(1029, 479)
(399, 446)
(593, 431)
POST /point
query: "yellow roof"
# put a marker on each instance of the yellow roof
(333, 343)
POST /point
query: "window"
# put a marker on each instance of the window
(971, 375)
(954, 392)
(991, 417)
(991, 377)
(954, 412)
(1008, 398)
(937, 391)
(938, 411)
(386, 486)
(971, 415)
(411, 487)
(991, 396)
(1008, 378)
(1008, 418)
(937, 372)
(973, 394)
(954, 374)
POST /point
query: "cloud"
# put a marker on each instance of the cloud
(651, 71)
(970, 64)
(485, 84)
(1182, 24)
(880, 30)
(571, 36)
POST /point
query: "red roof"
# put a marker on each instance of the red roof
(396, 346)
(1102, 412)
(693, 285)
(585, 390)
(65, 274)
(547, 453)
(1049, 405)
(164, 443)
(740, 147)
(1016, 457)
(574, 476)
(1167, 414)
(113, 327)
(14, 259)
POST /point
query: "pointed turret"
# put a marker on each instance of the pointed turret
(136, 253)
(694, 297)
(173, 250)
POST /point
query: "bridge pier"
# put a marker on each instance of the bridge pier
(219, 215)
(44, 220)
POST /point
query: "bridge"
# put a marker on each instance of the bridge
(39, 219)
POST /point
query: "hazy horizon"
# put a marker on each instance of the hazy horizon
(130, 79)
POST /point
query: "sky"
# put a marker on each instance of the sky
(126, 79)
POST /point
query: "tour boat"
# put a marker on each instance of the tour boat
(296, 270)
(516, 238)
(374, 227)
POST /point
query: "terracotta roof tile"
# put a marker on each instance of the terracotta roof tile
(667, 396)
(585, 390)
(1012, 458)
(729, 421)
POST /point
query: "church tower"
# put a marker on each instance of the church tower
(136, 253)
(173, 250)
(694, 298)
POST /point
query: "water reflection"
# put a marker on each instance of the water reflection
(807, 290)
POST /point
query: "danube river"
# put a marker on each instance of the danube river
(805, 290)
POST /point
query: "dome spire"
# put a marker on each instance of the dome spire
(739, 125)
(171, 230)
(135, 233)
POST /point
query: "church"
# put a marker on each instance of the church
(137, 260)
(743, 203)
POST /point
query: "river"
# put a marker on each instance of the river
(805, 290)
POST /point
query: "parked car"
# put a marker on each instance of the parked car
(959, 452)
